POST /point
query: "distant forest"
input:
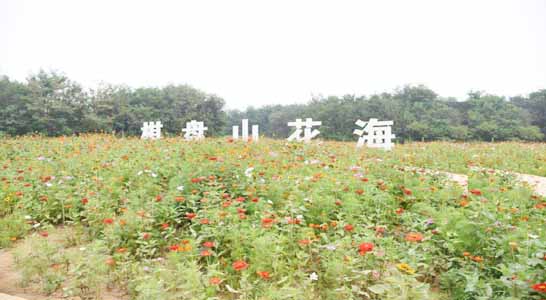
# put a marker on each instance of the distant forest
(51, 104)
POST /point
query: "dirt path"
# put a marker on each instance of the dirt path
(9, 279)
(11, 290)
(460, 179)
(538, 183)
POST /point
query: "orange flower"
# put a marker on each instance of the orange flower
(414, 237)
(540, 287)
(307, 242)
(464, 203)
(239, 265)
(477, 259)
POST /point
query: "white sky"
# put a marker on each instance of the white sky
(256, 52)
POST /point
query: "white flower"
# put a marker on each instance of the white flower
(41, 158)
(313, 276)
(48, 184)
(139, 173)
(27, 217)
(248, 172)
(330, 247)
(154, 175)
(180, 188)
(82, 249)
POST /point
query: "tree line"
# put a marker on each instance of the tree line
(51, 104)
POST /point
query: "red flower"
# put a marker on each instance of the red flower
(145, 236)
(399, 211)
(540, 287)
(110, 261)
(44, 234)
(240, 265)
(195, 180)
(85, 201)
(158, 198)
(108, 221)
(407, 192)
(208, 244)
(359, 192)
(175, 248)
(365, 248)
(190, 216)
(255, 200)
(205, 253)
(204, 221)
(267, 222)
(263, 274)
(240, 199)
(348, 227)
(215, 280)
(165, 226)
(476, 192)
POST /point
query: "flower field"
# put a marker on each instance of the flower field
(216, 219)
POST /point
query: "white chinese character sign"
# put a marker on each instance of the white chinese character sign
(375, 134)
(308, 134)
(151, 130)
(244, 127)
(194, 130)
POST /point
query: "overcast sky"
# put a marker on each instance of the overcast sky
(264, 52)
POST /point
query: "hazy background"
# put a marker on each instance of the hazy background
(256, 53)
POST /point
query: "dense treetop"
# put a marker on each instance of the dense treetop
(51, 104)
